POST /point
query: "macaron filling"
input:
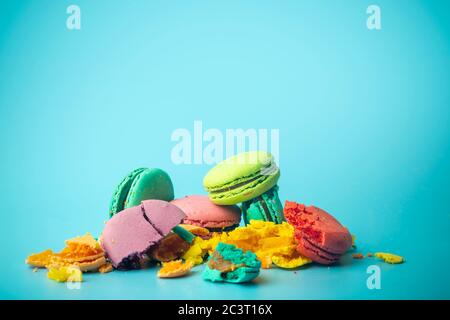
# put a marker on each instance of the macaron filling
(202, 212)
(324, 254)
(217, 262)
(237, 185)
(241, 187)
(265, 208)
(210, 225)
(224, 229)
(259, 176)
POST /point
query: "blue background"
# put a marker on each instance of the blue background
(363, 119)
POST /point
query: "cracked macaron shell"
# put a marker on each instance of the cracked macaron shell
(320, 236)
(266, 207)
(132, 232)
(241, 177)
(141, 184)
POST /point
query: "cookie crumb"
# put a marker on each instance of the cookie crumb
(389, 257)
(370, 255)
(357, 256)
(107, 267)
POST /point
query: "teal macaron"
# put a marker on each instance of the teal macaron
(241, 178)
(230, 264)
(266, 207)
(141, 184)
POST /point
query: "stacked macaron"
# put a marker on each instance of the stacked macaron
(249, 178)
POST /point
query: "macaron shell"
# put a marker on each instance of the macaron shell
(150, 184)
(128, 233)
(131, 233)
(266, 207)
(316, 256)
(335, 238)
(162, 215)
(315, 253)
(236, 167)
(246, 192)
(122, 190)
(320, 236)
(201, 211)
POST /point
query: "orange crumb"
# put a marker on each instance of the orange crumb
(107, 267)
(357, 256)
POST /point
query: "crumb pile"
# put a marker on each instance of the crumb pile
(148, 225)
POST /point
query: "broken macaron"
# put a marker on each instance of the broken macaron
(319, 235)
(231, 264)
(175, 269)
(173, 247)
(129, 235)
(82, 252)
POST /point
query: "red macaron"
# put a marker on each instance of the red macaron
(319, 235)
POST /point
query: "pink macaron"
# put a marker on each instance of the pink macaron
(200, 211)
(130, 234)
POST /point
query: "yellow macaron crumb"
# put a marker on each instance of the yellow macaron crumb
(389, 257)
(174, 269)
(272, 243)
(290, 262)
(65, 274)
(195, 253)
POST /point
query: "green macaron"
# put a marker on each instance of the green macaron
(266, 207)
(141, 184)
(241, 177)
(230, 264)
